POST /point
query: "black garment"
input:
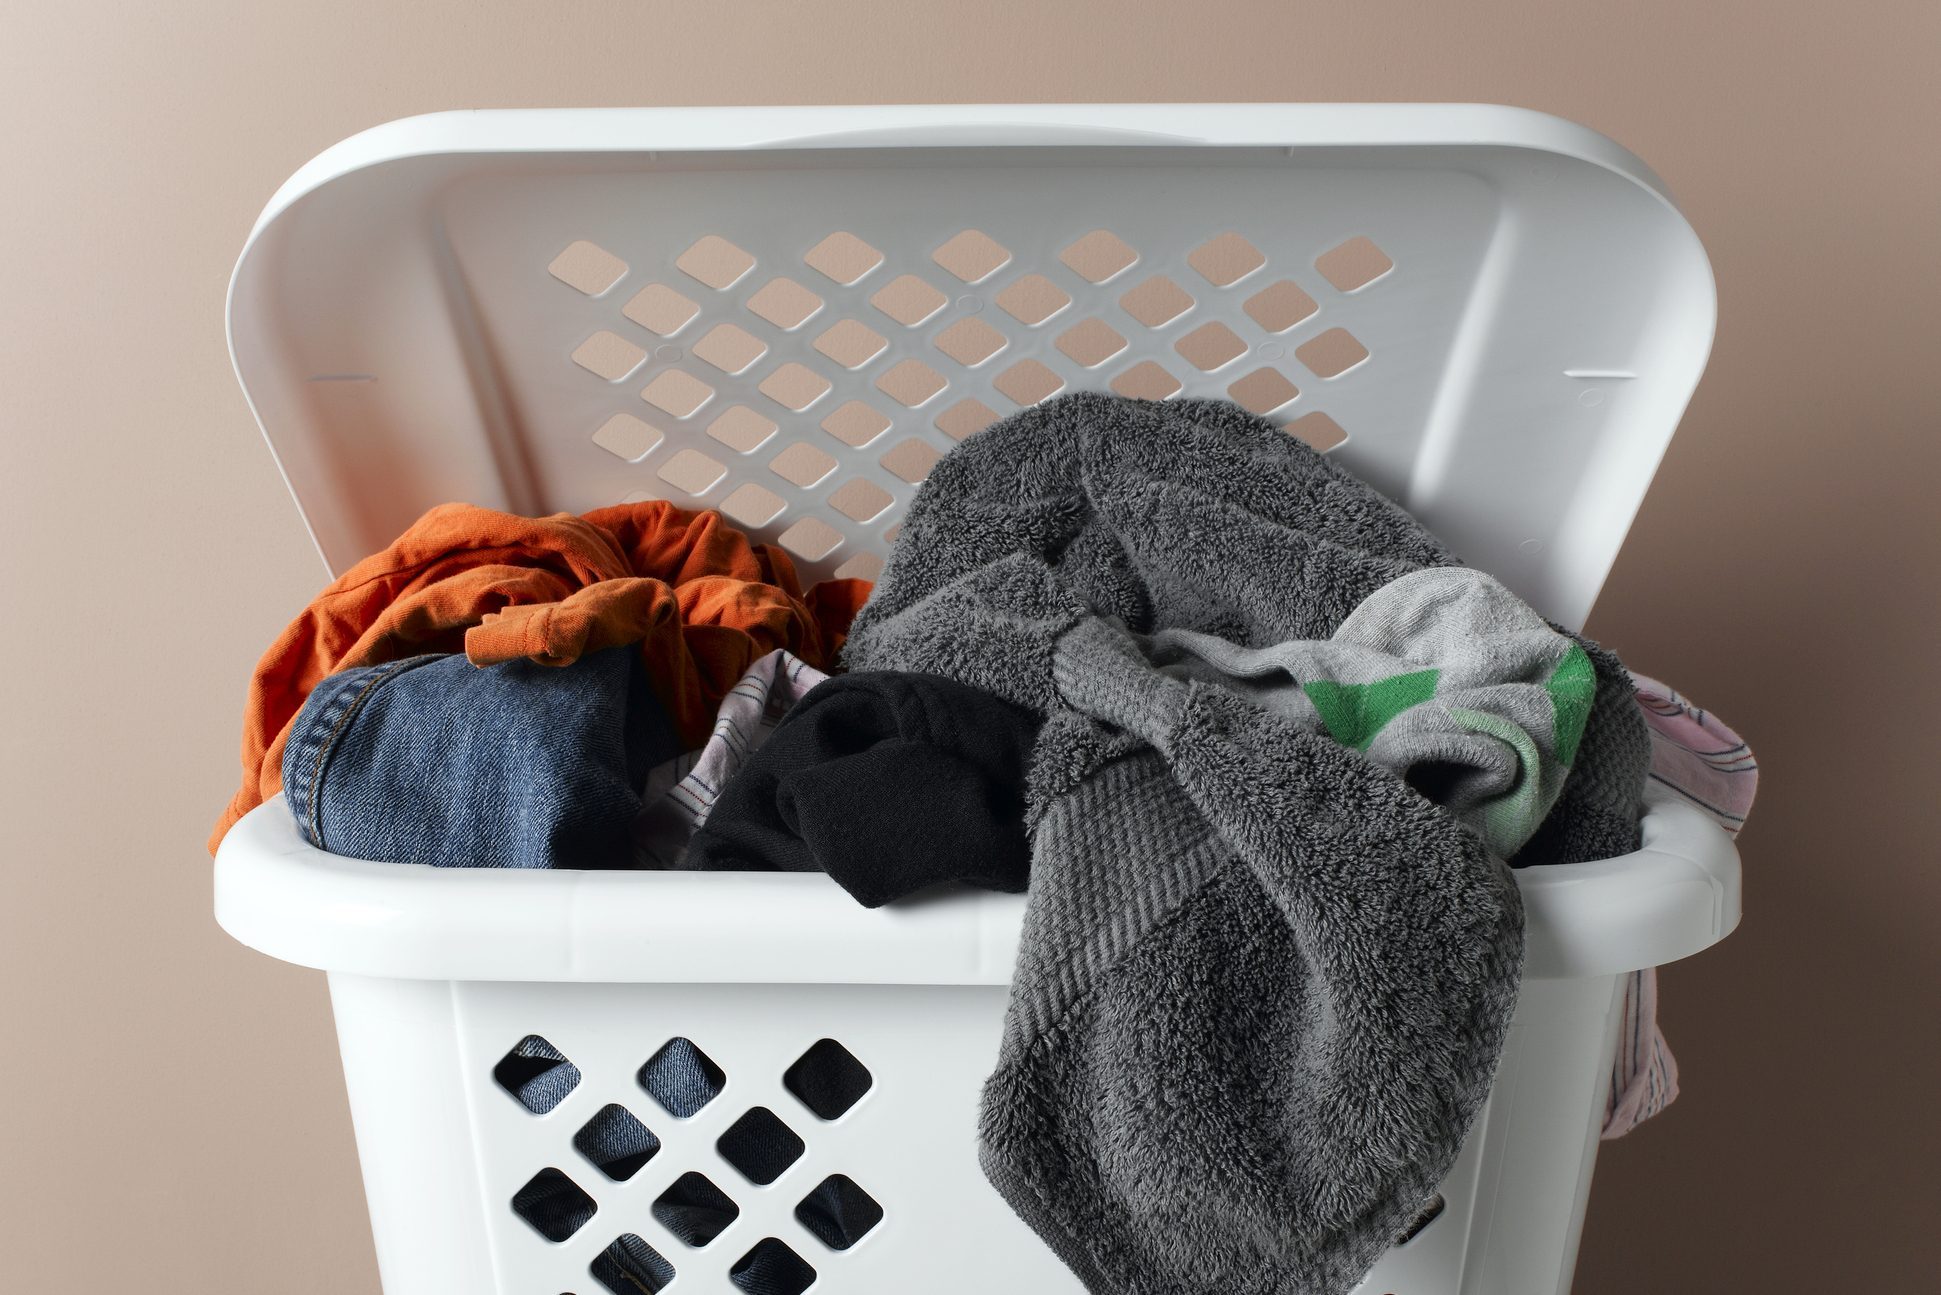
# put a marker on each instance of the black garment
(889, 782)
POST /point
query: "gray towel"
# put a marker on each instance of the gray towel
(1264, 982)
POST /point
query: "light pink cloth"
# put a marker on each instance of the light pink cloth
(1700, 758)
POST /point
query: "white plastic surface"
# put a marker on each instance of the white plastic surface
(394, 321)
(278, 894)
(444, 1148)
(464, 306)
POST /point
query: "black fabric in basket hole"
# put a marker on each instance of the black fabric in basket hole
(695, 1210)
(760, 1146)
(553, 1204)
(771, 1268)
(616, 1142)
(632, 1267)
(839, 1212)
(537, 1074)
(1430, 1213)
(828, 1079)
(682, 1078)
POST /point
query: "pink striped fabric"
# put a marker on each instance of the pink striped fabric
(1697, 756)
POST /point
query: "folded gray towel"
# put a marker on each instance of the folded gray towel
(1264, 982)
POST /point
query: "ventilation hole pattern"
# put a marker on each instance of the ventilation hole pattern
(694, 1209)
(553, 1204)
(828, 1079)
(771, 1268)
(537, 1074)
(760, 1146)
(1430, 1213)
(630, 1266)
(616, 1142)
(838, 1212)
(835, 345)
(682, 1078)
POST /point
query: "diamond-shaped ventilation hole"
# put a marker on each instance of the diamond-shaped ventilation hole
(843, 257)
(715, 261)
(828, 1079)
(1318, 430)
(1028, 382)
(588, 267)
(760, 1146)
(839, 1212)
(553, 1204)
(1033, 299)
(1091, 342)
(1146, 381)
(694, 1209)
(911, 460)
(1353, 264)
(1430, 1213)
(861, 566)
(855, 424)
(682, 1078)
(630, 1266)
(692, 471)
(811, 538)
(1263, 391)
(627, 437)
(675, 392)
(1211, 345)
(659, 309)
(1225, 259)
(802, 464)
(794, 386)
(966, 417)
(1332, 353)
(785, 303)
(771, 1268)
(1099, 255)
(537, 1074)
(729, 348)
(616, 1142)
(742, 429)
(851, 343)
(908, 300)
(1156, 302)
(860, 500)
(972, 255)
(969, 341)
(910, 383)
(751, 505)
(1279, 306)
(610, 355)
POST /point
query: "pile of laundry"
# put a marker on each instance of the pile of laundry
(1261, 751)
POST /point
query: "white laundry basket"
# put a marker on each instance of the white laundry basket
(1494, 316)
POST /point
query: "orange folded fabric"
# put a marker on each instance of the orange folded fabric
(702, 601)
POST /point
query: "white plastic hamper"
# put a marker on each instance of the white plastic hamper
(1495, 316)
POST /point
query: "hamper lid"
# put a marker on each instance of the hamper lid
(789, 314)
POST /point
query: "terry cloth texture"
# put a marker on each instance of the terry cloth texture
(699, 600)
(1264, 983)
(433, 760)
(889, 783)
(681, 793)
(1697, 756)
(1443, 676)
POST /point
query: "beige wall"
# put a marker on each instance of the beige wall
(174, 1119)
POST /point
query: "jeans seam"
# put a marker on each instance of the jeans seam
(325, 747)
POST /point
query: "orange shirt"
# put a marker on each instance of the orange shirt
(701, 600)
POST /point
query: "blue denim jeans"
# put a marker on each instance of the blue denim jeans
(434, 760)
